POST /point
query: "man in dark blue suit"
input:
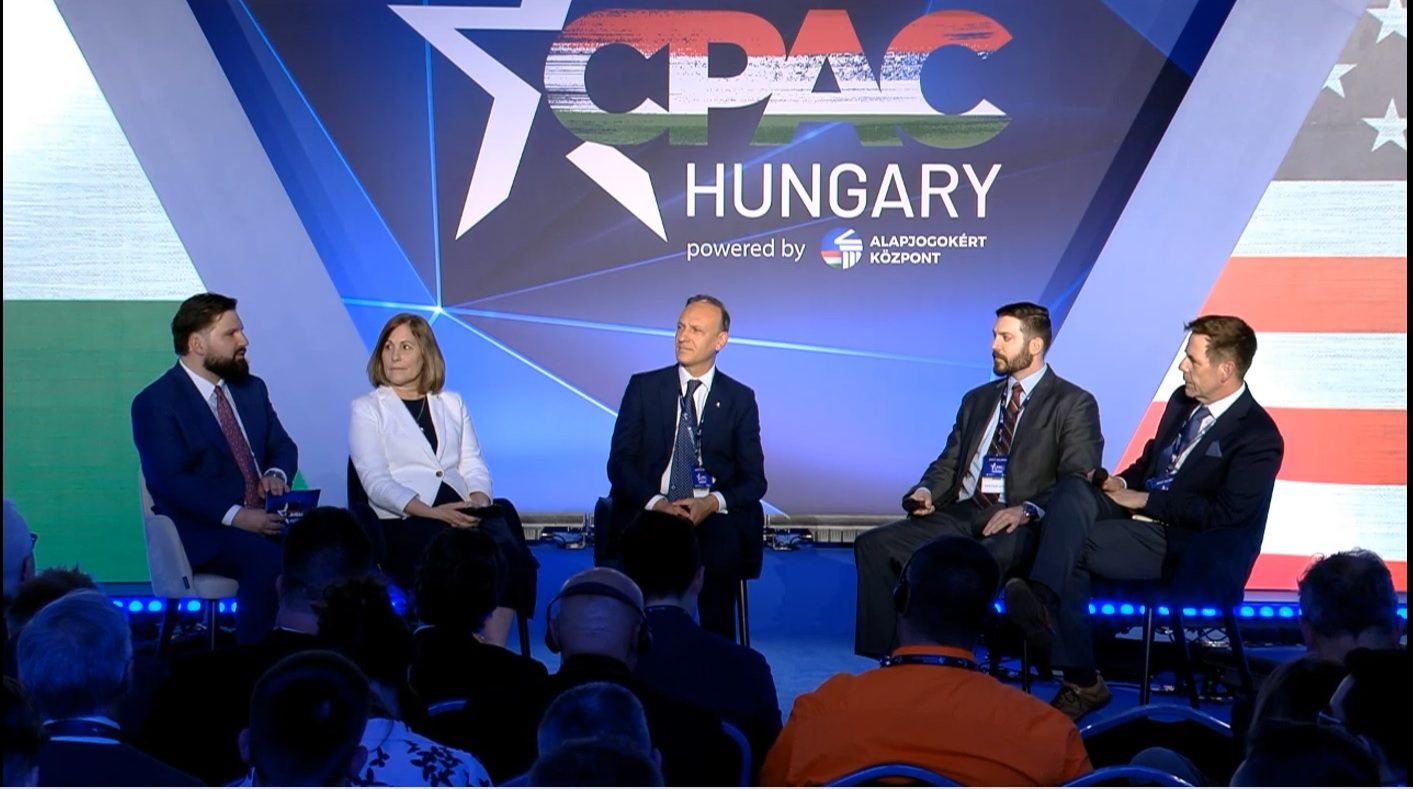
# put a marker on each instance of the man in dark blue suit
(686, 661)
(212, 449)
(1206, 477)
(687, 442)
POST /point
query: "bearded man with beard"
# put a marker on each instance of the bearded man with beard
(1012, 441)
(211, 449)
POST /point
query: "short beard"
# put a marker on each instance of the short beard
(234, 368)
(1022, 360)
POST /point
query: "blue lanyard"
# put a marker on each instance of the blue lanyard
(946, 661)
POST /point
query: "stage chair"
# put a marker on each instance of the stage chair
(891, 772)
(171, 574)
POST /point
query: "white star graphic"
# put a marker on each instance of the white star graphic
(1336, 74)
(513, 107)
(513, 100)
(1393, 19)
(1391, 128)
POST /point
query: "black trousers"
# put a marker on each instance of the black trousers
(880, 553)
(407, 540)
(1085, 533)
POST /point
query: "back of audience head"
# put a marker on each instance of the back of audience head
(461, 580)
(41, 590)
(1284, 753)
(358, 620)
(19, 551)
(22, 737)
(307, 715)
(595, 711)
(584, 619)
(595, 763)
(1371, 704)
(1298, 690)
(1347, 600)
(75, 655)
(660, 554)
(323, 548)
(946, 593)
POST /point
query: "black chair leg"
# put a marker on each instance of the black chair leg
(1184, 658)
(1025, 666)
(1145, 686)
(211, 624)
(743, 616)
(169, 621)
(522, 624)
(1238, 652)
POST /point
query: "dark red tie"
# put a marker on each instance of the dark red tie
(1001, 442)
(230, 428)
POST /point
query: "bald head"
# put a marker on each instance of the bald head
(599, 613)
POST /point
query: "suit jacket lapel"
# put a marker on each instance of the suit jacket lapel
(402, 421)
(1034, 409)
(667, 400)
(1226, 424)
(980, 417)
(252, 416)
(189, 398)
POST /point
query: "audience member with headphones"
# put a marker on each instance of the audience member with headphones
(598, 624)
(929, 704)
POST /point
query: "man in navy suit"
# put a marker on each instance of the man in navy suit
(212, 449)
(702, 463)
(1207, 474)
(686, 661)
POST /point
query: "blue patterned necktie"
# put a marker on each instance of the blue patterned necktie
(1188, 436)
(684, 450)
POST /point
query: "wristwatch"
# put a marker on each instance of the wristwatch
(1031, 511)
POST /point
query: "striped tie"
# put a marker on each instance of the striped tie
(1001, 442)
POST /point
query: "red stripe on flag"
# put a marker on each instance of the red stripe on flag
(1314, 294)
(1280, 572)
(1351, 447)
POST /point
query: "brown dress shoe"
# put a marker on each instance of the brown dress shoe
(1076, 701)
(1025, 609)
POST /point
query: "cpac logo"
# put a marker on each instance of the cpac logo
(877, 106)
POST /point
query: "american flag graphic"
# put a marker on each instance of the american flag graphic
(1321, 274)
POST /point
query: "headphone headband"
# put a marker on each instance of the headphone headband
(595, 589)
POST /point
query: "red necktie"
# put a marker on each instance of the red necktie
(1001, 442)
(230, 428)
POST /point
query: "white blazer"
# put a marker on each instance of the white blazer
(394, 461)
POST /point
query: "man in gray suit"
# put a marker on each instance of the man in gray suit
(1013, 439)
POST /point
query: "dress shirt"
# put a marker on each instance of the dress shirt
(700, 399)
(208, 393)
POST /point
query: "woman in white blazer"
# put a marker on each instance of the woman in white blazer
(415, 451)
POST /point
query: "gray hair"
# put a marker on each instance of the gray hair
(18, 548)
(74, 655)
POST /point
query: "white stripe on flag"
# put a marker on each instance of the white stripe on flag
(1315, 517)
(1328, 219)
(1317, 370)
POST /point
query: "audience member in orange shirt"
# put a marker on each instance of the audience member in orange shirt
(929, 704)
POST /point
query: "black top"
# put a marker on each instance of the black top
(422, 415)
